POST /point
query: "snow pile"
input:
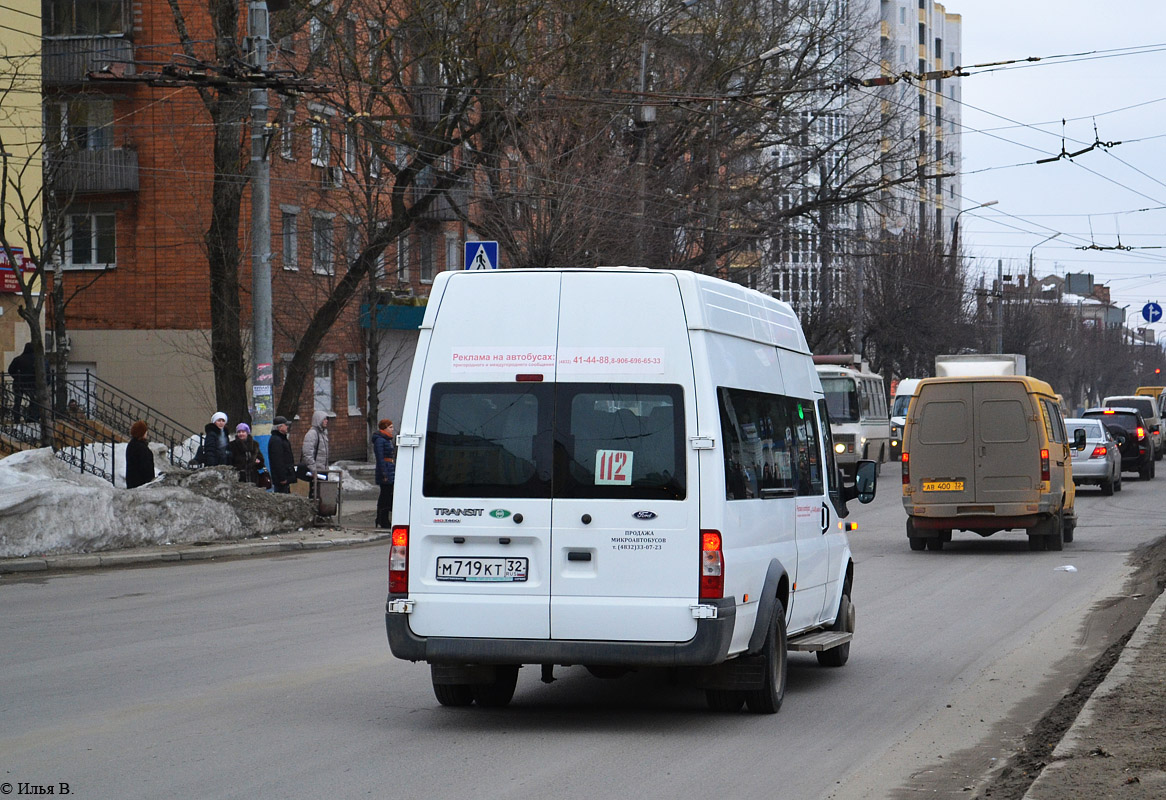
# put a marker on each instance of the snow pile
(46, 507)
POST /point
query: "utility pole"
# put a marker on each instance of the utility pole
(262, 386)
(999, 305)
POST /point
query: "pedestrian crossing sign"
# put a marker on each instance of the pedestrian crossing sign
(481, 255)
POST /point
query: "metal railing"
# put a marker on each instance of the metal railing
(76, 441)
(94, 418)
(119, 410)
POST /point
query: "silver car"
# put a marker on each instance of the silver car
(1099, 461)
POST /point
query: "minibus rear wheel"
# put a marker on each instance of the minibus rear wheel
(767, 699)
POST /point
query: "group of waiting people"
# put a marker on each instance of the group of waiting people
(244, 455)
(241, 452)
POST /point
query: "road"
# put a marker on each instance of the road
(272, 677)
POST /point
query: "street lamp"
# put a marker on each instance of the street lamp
(955, 226)
(1035, 246)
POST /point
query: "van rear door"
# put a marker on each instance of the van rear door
(940, 450)
(1007, 445)
(479, 539)
(624, 555)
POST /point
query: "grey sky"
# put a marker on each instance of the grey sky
(1067, 196)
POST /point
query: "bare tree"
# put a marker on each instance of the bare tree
(228, 108)
(917, 304)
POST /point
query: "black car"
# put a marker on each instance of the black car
(1133, 438)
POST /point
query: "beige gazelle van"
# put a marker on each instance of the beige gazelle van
(986, 455)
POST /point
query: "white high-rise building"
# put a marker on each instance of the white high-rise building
(920, 123)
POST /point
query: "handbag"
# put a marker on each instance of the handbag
(263, 480)
(304, 471)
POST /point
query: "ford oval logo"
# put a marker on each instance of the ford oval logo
(644, 515)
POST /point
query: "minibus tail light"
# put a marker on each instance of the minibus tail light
(399, 561)
(1045, 475)
(712, 566)
(906, 469)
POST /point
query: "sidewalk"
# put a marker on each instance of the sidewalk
(1117, 745)
(355, 527)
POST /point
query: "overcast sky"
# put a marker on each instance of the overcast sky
(1013, 116)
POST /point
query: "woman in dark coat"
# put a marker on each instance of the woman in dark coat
(245, 455)
(139, 459)
(385, 454)
(214, 441)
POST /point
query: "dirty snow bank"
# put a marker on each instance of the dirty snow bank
(46, 507)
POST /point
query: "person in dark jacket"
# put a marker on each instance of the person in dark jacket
(23, 372)
(246, 457)
(283, 461)
(215, 440)
(385, 454)
(139, 459)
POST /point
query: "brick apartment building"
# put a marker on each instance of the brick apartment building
(137, 169)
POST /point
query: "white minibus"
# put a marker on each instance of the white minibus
(617, 469)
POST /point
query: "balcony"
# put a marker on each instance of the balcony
(78, 172)
(67, 60)
(445, 206)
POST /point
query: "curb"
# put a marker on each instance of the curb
(153, 554)
(1065, 752)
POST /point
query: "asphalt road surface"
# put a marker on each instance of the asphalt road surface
(271, 677)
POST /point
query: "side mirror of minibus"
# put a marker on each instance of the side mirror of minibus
(1079, 439)
(866, 478)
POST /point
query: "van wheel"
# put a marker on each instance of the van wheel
(837, 656)
(1055, 539)
(499, 692)
(916, 542)
(1036, 541)
(724, 699)
(1070, 529)
(934, 544)
(453, 694)
(767, 699)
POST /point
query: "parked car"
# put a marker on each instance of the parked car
(1133, 439)
(1099, 461)
(1148, 407)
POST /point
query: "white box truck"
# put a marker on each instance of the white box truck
(616, 468)
(980, 365)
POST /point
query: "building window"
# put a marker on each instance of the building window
(91, 242)
(902, 15)
(321, 144)
(322, 246)
(322, 386)
(350, 145)
(350, 36)
(428, 258)
(315, 34)
(84, 17)
(291, 244)
(354, 388)
(453, 252)
(403, 257)
(82, 123)
(287, 134)
(352, 241)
